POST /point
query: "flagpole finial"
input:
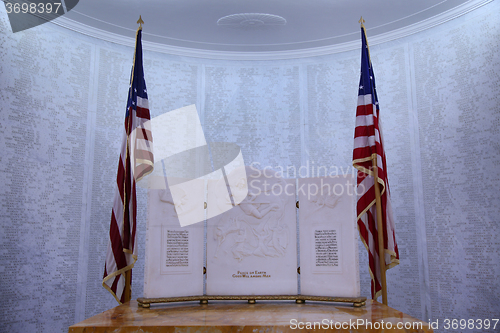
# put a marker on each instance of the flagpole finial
(361, 20)
(140, 22)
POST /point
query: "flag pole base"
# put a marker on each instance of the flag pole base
(251, 299)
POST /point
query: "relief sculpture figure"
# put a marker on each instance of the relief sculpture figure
(182, 206)
(255, 227)
(329, 200)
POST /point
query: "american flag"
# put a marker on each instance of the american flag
(368, 144)
(136, 161)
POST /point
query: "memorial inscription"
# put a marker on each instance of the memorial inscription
(175, 248)
(326, 248)
(251, 274)
(176, 245)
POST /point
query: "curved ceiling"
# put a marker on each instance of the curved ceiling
(255, 26)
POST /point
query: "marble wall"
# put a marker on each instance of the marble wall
(62, 107)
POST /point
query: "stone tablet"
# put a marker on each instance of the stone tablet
(174, 254)
(252, 248)
(328, 237)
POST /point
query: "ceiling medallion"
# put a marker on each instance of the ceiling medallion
(251, 20)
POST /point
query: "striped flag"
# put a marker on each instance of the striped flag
(368, 145)
(136, 161)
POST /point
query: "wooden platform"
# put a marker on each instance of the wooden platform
(242, 317)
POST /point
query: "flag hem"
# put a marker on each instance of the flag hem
(118, 272)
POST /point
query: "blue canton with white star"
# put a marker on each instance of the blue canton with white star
(367, 78)
(138, 87)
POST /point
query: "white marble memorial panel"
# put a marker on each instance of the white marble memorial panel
(252, 248)
(174, 254)
(328, 237)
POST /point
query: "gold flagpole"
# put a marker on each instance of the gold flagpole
(378, 205)
(128, 287)
(380, 231)
(128, 273)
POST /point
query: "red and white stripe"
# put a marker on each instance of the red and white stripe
(368, 144)
(122, 252)
(116, 260)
